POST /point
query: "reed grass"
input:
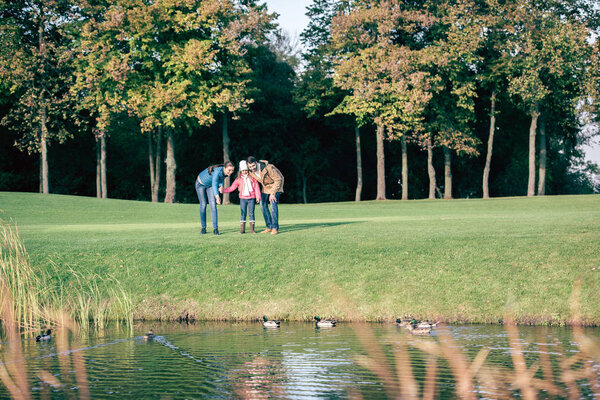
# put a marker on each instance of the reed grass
(18, 280)
(13, 367)
(90, 301)
(474, 377)
(13, 374)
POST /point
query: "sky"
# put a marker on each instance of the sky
(293, 19)
(292, 14)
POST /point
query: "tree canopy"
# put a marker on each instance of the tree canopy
(435, 77)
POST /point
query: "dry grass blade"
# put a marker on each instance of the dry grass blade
(494, 382)
(430, 377)
(478, 361)
(565, 375)
(62, 348)
(13, 373)
(49, 379)
(354, 394)
(12, 387)
(592, 377)
(408, 385)
(546, 363)
(522, 375)
(81, 376)
(458, 364)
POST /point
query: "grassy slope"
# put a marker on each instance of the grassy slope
(463, 260)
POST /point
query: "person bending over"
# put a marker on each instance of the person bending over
(271, 180)
(207, 186)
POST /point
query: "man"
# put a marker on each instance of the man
(271, 180)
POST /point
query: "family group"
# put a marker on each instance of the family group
(251, 174)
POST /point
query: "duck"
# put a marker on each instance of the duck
(270, 323)
(414, 329)
(42, 337)
(149, 335)
(403, 323)
(324, 323)
(426, 325)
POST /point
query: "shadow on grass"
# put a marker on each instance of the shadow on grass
(300, 227)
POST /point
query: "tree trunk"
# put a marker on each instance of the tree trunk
(44, 151)
(404, 169)
(40, 188)
(380, 164)
(490, 147)
(43, 127)
(226, 154)
(103, 166)
(158, 162)
(430, 169)
(532, 129)
(447, 173)
(304, 187)
(154, 160)
(171, 167)
(98, 186)
(543, 159)
(151, 165)
(358, 164)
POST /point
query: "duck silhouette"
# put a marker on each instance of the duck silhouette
(44, 336)
(149, 335)
(270, 323)
(324, 323)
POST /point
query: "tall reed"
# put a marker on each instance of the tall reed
(473, 378)
(87, 299)
(14, 373)
(19, 280)
(13, 368)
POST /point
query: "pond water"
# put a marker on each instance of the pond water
(245, 360)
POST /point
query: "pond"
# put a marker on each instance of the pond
(295, 361)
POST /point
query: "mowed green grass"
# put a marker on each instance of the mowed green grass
(459, 260)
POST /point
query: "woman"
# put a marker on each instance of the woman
(207, 186)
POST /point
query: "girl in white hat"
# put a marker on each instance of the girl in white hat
(249, 192)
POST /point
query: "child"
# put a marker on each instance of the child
(249, 195)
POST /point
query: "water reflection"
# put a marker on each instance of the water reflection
(297, 361)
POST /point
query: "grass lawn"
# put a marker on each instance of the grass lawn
(458, 260)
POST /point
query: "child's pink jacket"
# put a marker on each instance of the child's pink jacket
(254, 190)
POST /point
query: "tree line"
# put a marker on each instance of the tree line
(499, 94)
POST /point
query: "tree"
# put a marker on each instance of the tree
(550, 53)
(233, 75)
(379, 64)
(316, 90)
(186, 60)
(34, 64)
(102, 69)
(454, 42)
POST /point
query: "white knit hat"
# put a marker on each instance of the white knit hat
(243, 165)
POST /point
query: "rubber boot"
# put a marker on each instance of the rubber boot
(242, 227)
(252, 227)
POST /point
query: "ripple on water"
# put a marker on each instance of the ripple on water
(220, 360)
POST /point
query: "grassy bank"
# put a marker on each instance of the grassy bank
(461, 260)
